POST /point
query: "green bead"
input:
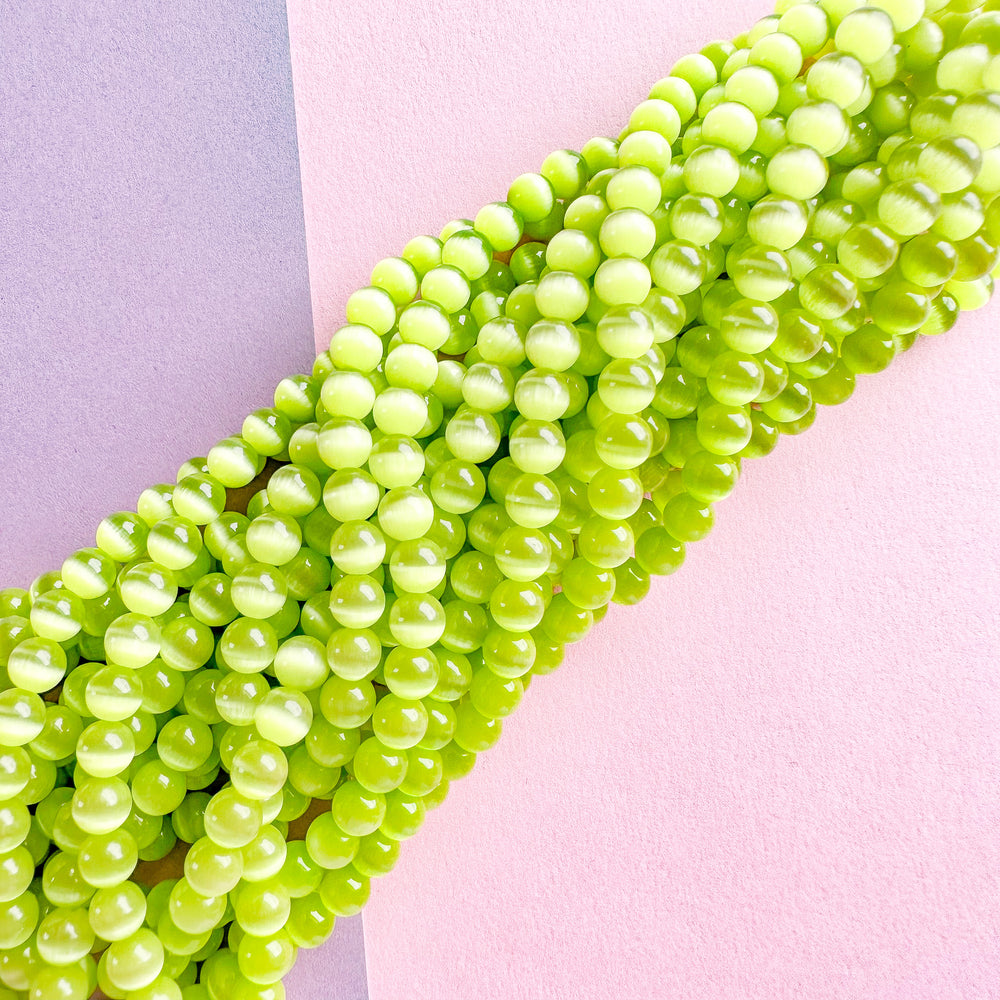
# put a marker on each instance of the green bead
(900, 307)
(295, 397)
(678, 266)
(827, 292)
(37, 664)
(586, 214)
(531, 196)
(792, 403)
(344, 892)
(422, 253)
(868, 350)
(248, 645)
(777, 222)
(88, 573)
(749, 326)
(566, 171)
(626, 386)
(622, 281)
(656, 115)
(909, 207)
(867, 250)
(472, 435)
(500, 224)
(734, 378)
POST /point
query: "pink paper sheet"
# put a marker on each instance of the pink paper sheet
(777, 777)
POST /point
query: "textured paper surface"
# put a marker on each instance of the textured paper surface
(777, 777)
(153, 282)
(153, 278)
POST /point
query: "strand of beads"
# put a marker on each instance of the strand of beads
(220, 723)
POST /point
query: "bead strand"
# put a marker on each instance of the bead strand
(219, 723)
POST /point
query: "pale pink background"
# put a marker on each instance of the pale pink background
(778, 776)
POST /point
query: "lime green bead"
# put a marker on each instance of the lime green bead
(626, 386)
(267, 431)
(295, 397)
(372, 307)
(827, 292)
(645, 148)
(778, 52)
(417, 566)
(357, 811)
(344, 892)
(416, 620)
(976, 258)
(487, 387)
(117, 912)
(473, 435)
(101, 805)
(174, 542)
(627, 232)
(199, 498)
(587, 586)
(132, 640)
(273, 538)
(614, 493)
(711, 170)
(696, 218)
(867, 250)
(622, 281)
(422, 253)
(734, 378)
(88, 573)
(495, 697)
(105, 749)
(749, 326)
(908, 207)
(108, 859)
(531, 196)
(18, 919)
(468, 252)
(962, 68)
(133, 962)
(566, 171)
(248, 645)
(64, 936)
(500, 224)
(678, 266)
(928, 260)
(723, 429)
(155, 504)
(147, 588)
(623, 441)
(777, 222)
(899, 307)
(186, 644)
(586, 214)
(532, 500)
(868, 350)
(754, 86)
(697, 71)
(259, 769)
(157, 789)
(761, 273)
(792, 403)
(377, 767)
(807, 24)
(37, 664)
(475, 733)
